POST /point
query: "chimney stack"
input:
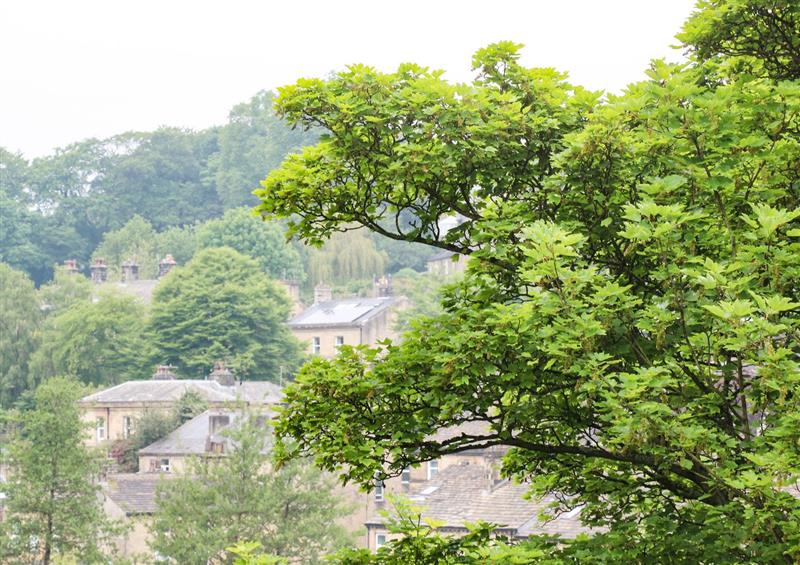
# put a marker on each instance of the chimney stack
(221, 374)
(165, 265)
(164, 373)
(322, 293)
(71, 265)
(130, 271)
(383, 286)
(99, 271)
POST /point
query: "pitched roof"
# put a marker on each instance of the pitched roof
(342, 312)
(464, 494)
(133, 493)
(168, 391)
(190, 438)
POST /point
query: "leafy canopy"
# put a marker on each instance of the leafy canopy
(628, 324)
(221, 306)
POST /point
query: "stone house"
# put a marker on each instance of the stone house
(113, 413)
(330, 323)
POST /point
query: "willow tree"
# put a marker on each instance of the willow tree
(628, 324)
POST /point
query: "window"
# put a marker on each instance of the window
(379, 484)
(127, 426)
(433, 468)
(406, 476)
(100, 426)
(164, 465)
(380, 539)
(339, 341)
(315, 345)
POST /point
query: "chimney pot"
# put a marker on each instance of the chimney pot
(99, 271)
(166, 264)
(164, 373)
(71, 265)
(221, 374)
(322, 293)
(130, 271)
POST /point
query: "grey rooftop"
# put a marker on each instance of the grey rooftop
(190, 438)
(170, 391)
(343, 312)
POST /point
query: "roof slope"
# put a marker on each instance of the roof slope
(343, 312)
(167, 391)
(464, 494)
(133, 493)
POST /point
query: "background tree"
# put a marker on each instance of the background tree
(52, 506)
(290, 511)
(135, 240)
(20, 318)
(253, 141)
(346, 257)
(628, 323)
(264, 242)
(63, 291)
(222, 306)
(99, 343)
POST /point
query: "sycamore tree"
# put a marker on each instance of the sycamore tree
(628, 324)
(52, 508)
(99, 342)
(221, 305)
(290, 512)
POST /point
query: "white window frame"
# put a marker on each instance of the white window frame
(339, 340)
(433, 468)
(127, 426)
(100, 428)
(379, 490)
(164, 468)
(405, 477)
(316, 345)
(380, 539)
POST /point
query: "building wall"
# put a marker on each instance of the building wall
(113, 418)
(447, 266)
(177, 463)
(133, 542)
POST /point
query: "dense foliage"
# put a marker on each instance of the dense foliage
(291, 512)
(628, 323)
(221, 305)
(52, 508)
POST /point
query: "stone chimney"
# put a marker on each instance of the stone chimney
(71, 265)
(221, 374)
(164, 373)
(130, 271)
(383, 286)
(165, 265)
(322, 293)
(99, 271)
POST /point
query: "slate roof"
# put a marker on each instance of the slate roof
(133, 493)
(170, 391)
(342, 312)
(190, 438)
(464, 494)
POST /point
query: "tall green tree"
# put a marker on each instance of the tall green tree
(628, 323)
(101, 342)
(64, 290)
(263, 241)
(290, 511)
(20, 320)
(221, 305)
(253, 141)
(135, 240)
(52, 506)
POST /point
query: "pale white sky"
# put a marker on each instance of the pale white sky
(75, 69)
